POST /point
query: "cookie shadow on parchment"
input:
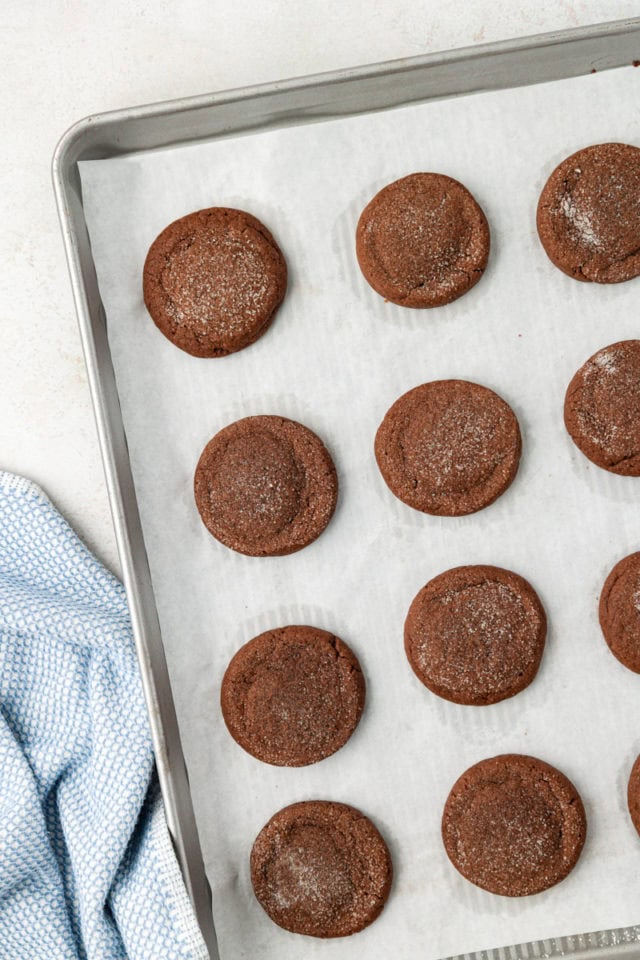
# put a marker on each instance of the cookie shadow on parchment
(435, 320)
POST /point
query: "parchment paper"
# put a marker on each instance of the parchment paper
(335, 358)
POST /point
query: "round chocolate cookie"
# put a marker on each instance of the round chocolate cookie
(620, 611)
(422, 241)
(321, 868)
(475, 635)
(513, 825)
(633, 794)
(589, 214)
(602, 408)
(213, 280)
(292, 696)
(448, 447)
(265, 486)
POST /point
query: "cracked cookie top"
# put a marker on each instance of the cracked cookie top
(448, 447)
(619, 611)
(589, 214)
(213, 280)
(292, 696)
(602, 408)
(475, 634)
(514, 825)
(265, 486)
(422, 241)
(321, 869)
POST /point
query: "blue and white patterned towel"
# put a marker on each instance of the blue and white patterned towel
(86, 864)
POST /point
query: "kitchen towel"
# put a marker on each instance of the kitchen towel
(87, 869)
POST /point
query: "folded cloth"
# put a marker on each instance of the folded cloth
(87, 869)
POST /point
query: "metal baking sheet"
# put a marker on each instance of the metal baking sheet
(498, 66)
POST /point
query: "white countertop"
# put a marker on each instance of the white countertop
(62, 60)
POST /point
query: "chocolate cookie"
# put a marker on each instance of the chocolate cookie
(321, 868)
(265, 486)
(513, 825)
(448, 447)
(422, 241)
(620, 611)
(213, 280)
(292, 696)
(589, 214)
(602, 408)
(475, 635)
(633, 794)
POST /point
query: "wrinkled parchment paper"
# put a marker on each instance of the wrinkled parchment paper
(335, 358)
